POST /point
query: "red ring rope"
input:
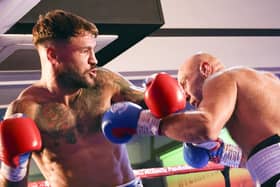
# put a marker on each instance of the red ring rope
(154, 172)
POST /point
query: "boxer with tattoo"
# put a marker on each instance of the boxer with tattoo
(67, 105)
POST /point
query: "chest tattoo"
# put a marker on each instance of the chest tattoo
(57, 118)
(81, 118)
(58, 122)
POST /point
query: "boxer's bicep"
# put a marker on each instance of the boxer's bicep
(219, 100)
(26, 107)
(14, 107)
(127, 91)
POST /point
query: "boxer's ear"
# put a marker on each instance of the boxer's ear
(51, 55)
(205, 69)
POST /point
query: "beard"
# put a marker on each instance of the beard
(73, 79)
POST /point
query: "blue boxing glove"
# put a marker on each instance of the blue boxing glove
(125, 119)
(198, 155)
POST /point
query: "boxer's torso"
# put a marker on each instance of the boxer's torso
(75, 149)
(256, 115)
(75, 152)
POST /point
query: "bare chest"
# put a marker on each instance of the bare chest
(60, 123)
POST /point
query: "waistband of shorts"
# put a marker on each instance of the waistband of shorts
(265, 164)
(265, 143)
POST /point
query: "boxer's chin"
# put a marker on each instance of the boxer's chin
(82, 82)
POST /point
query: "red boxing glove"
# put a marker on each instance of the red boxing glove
(164, 95)
(19, 136)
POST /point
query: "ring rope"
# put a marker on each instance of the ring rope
(174, 170)
(155, 172)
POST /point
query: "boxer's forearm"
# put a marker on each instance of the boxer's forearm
(188, 127)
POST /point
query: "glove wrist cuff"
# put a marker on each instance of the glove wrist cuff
(14, 174)
(147, 124)
(231, 156)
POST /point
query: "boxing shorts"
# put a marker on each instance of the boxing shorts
(134, 183)
(264, 162)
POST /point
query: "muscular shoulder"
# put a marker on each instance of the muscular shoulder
(220, 84)
(25, 103)
(106, 73)
(103, 73)
(246, 74)
(108, 76)
(22, 105)
(122, 88)
(233, 73)
(223, 76)
(108, 81)
(240, 77)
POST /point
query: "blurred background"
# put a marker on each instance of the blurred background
(139, 38)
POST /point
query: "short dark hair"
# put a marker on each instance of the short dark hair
(60, 25)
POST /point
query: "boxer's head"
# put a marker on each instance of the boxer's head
(66, 44)
(193, 72)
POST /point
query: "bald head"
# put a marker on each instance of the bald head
(194, 71)
(198, 63)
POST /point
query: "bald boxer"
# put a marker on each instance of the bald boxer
(243, 100)
(164, 96)
(67, 105)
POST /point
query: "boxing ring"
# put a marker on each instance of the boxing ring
(148, 173)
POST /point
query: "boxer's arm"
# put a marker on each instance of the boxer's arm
(127, 91)
(12, 108)
(27, 107)
(219, 98)
(125, 119)
(198, 155)
(162, 95)
(17, 142)
(123, 89)
(21, 105)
